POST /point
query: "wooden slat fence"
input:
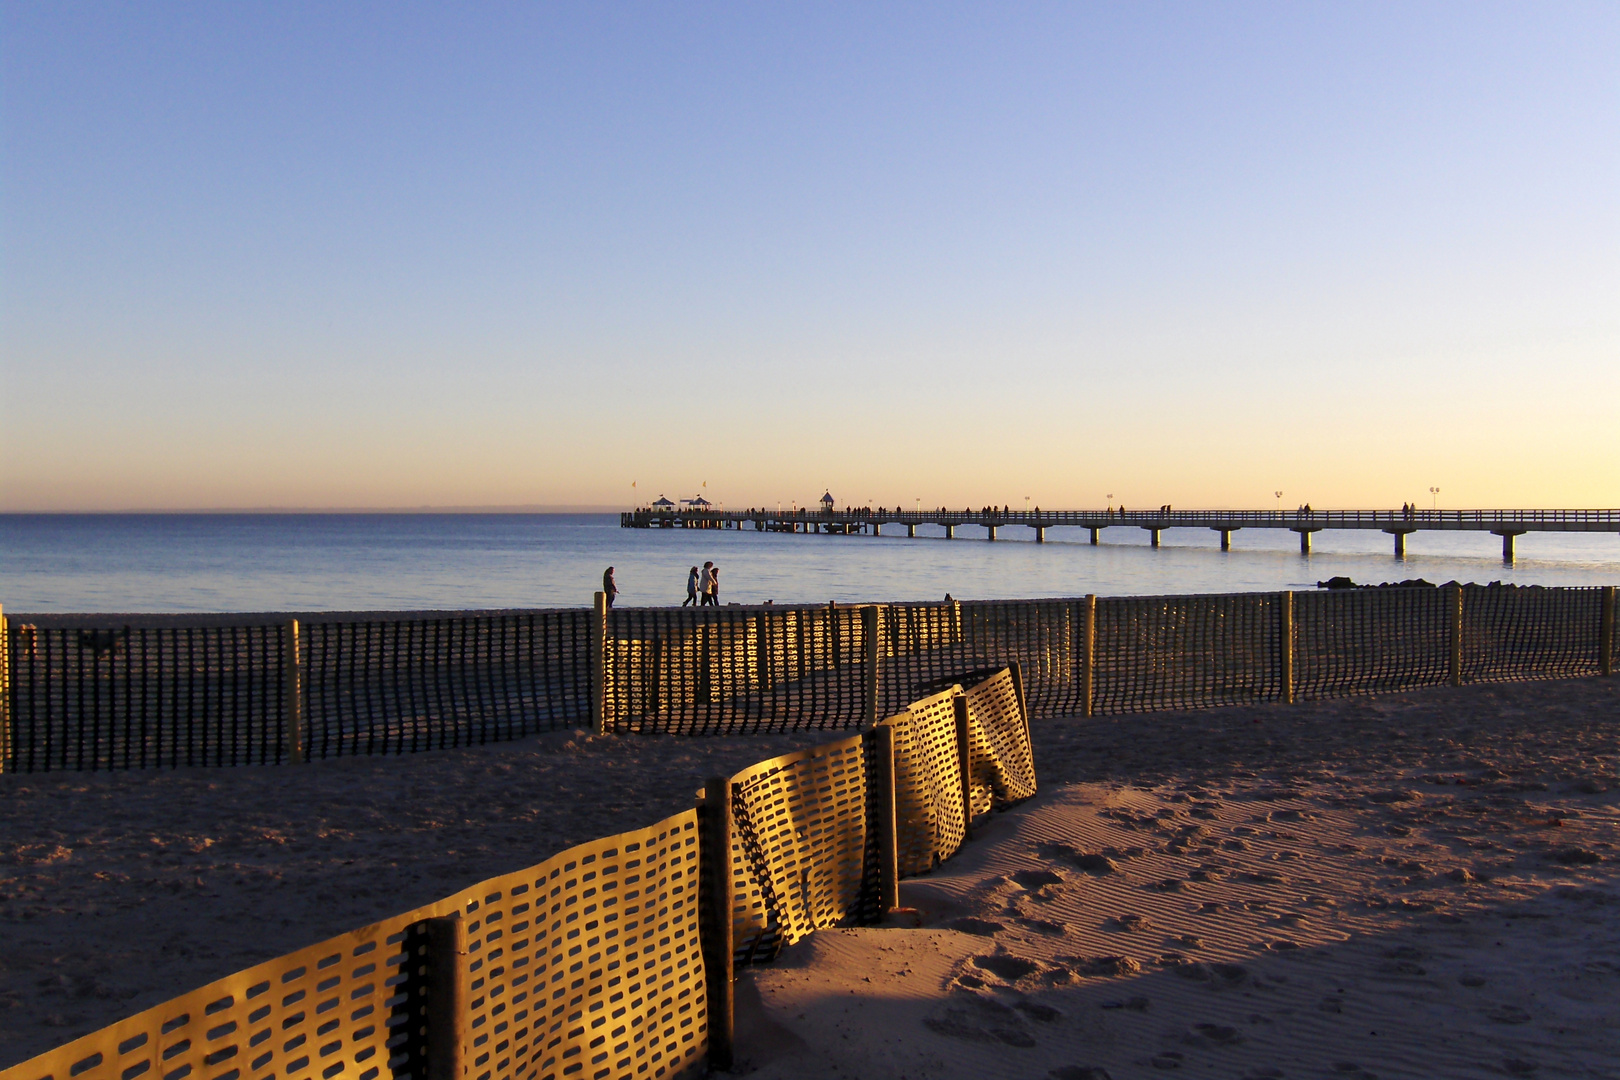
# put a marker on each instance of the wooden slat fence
(118, 697)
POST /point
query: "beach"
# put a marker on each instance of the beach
(1419, 884)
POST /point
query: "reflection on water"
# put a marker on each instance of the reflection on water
(313, 562)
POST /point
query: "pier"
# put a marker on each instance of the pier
(1399, 524)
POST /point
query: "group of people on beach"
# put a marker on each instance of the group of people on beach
(703, 586)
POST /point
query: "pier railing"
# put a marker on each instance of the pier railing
(1170, 517)
(612, 959)
(114, 697)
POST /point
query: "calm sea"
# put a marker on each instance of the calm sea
(350, 562)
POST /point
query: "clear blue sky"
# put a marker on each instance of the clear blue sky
(395, 255)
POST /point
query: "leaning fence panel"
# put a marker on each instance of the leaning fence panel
(1370, 641)
(799, 846)
(1512, 633)
(591, 956)
(1001, 766)
(122, 697)
(927, 784)
(1183, 652)
(734, 670)
(389, 687)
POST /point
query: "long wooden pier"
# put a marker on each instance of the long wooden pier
(856, 521)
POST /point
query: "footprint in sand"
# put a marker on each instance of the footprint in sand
(981, 1020)
(978, 927)
(1037, 879)
(1128, 922)
(1092, 863)
(1218, 1034)
(1010, 968)
(1043, 926)
(1080, 1072)
(1101, 966)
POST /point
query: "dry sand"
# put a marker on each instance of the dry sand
(120, 890)
(1423, 885)
(1412, 885)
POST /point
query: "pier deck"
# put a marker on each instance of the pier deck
(855, 521)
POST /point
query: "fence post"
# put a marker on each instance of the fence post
(5, 692)
(1606, 633)
(888, 826)
(1455, 603)
(869, 629)
(446, 998)
(1017, 670)
(964, 756)
(293, 662)
(599, 678)
(762, 652)
(1088, 657)
(714, 855)
(1285, 642)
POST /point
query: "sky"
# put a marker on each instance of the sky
(400, 255)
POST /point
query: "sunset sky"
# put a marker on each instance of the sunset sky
(399, 255)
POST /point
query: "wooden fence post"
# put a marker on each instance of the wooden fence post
(763, 664)
(1017, 670)
(714, 860)
(888, 825)
(1088, 656)
(1606, 633)
(293, 662)
(1455, 603)
(869, 629)
(599, 675)
(1285, 642)
(5, 692)
(447, 997)
(964, 756)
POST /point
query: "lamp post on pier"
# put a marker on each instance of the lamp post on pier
(1434, 498)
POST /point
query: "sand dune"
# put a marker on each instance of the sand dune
(1237, 892)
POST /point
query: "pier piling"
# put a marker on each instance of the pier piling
(1507, 536)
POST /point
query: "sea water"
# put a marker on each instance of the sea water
(407, 562)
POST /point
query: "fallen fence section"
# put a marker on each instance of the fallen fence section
(612, 959)
(133, 697)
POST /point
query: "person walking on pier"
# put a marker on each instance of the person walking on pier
(609, 589)
(691, 588)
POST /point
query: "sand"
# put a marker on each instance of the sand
(120, 890)
(1411, 885)
(1423, 885)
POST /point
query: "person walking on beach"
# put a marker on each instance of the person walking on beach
(609, 589)
(714, 585)
(691, 588)
(705, 580)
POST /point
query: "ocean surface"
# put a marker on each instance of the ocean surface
(404, 562)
